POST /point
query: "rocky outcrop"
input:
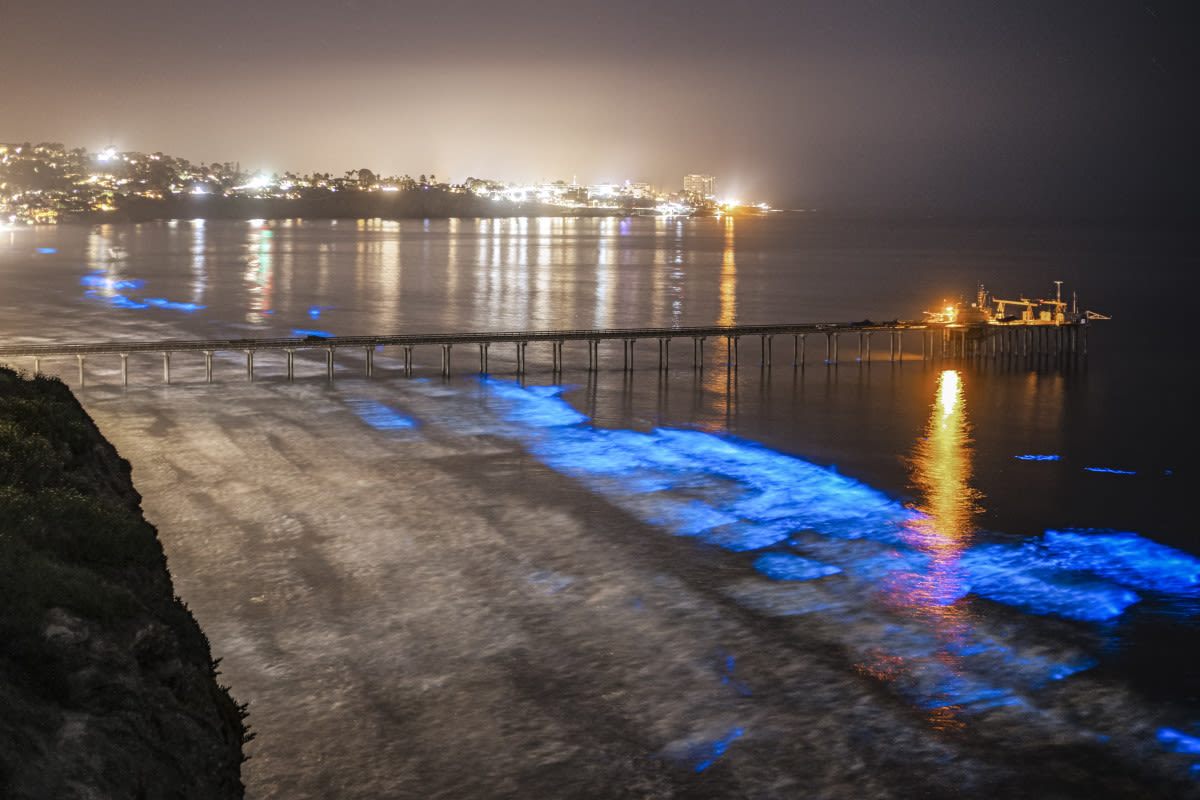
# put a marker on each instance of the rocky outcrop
(107, 685)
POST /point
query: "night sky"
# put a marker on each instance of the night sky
(950, 105)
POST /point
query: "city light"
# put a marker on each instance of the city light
(103, 181)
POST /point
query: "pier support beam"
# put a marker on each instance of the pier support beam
(629, 353)
(664, 354)
(521, 357)
(291, 364)
(208, 354)
(731, 351)
(697, 352)
(556, 356)
(80, 357)
(37, 366)
(766, 349)
(446, 360)
(250, 365)
(369, 363)
(166, 367)
(593, 355)
(831, 348)
(408, 359)
(864, 346)
(329, 362)
(483, 354)
(124, 369)
(798, 342)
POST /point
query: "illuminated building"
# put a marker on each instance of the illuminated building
(700, 187)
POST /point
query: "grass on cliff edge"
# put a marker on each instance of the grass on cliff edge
(69, 537)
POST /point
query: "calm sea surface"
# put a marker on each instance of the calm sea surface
(876, 578)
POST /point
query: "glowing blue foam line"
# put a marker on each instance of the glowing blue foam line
(786, 567)
(1046, 457)
(719, 747)
(322, 334)
(806, 522)
(46, 250)
(162, 302)
(1028, 578)
(380, 417)
(1111, 471)
(1125, 558)
(742, 496)
(118, 300)
(99, 280)
(1178, 742)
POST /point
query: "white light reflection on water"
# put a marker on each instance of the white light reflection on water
(199, 251)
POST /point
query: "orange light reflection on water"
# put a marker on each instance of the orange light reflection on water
(941, 471)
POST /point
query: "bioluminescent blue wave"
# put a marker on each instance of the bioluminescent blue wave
(322, 334)
(787, 567)
(1036, 457)
(162, 302)
(1177, 741)
(100, 281)
(1018, 576)
(314, 312)
(718, 748)
(1111, 471)
(380, 417)
(826, 544)
(46, 250)
(743, 496)
(116, 300)
(1125, 558)
(108, 289)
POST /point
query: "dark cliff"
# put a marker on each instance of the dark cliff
(107, 685)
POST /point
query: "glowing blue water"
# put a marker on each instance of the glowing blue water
(787, 567)
(718, 748)
(98, 280)
(162, 302)
(115, 300)
(380, 417)
(300, 333)
(107, 290)
(742, 496)
(811, 525)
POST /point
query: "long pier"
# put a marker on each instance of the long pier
(938, 340)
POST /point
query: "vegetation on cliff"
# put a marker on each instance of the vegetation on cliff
(107, 684)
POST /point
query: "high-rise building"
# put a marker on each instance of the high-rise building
(700, 187)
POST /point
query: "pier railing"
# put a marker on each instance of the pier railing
(1017, 338)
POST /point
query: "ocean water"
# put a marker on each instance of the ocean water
(880, 577)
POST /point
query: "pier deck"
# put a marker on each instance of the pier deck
(1016, 338)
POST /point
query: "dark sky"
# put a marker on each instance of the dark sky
(958, 105)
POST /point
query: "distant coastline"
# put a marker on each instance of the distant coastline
(430, 203)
